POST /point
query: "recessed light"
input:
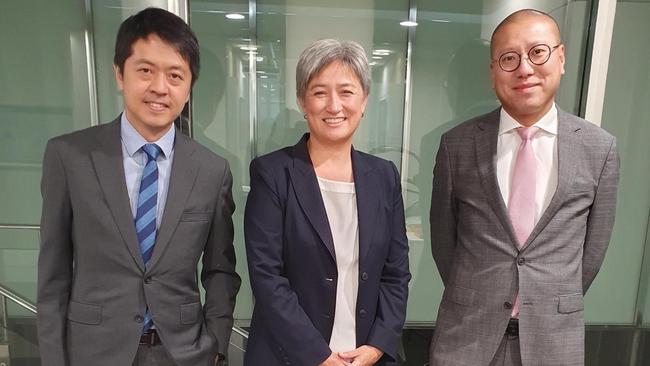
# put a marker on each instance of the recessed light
(377, 57)
(235, 16)
(381, 52)
(408, 23)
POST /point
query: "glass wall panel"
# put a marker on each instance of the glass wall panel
(286, 27)
(625, 114)
(221, 107)
(451, 83)
(18, 253)
(44, 93)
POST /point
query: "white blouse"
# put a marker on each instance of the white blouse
(340, 201)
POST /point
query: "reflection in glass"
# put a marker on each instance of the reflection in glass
(625, 278)
(44, 93)
(220, 107)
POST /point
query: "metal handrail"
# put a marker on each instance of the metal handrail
(240, 331)
(26, 304)
(22, 301)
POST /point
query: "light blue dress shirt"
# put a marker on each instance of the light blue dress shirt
(135, 159)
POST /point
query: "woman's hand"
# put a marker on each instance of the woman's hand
(334, 360)
(362, 356)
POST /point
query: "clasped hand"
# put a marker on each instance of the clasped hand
(362, 356)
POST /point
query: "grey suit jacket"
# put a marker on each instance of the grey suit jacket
(92, 284)
(475, 248)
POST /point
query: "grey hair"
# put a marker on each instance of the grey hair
(325, 51)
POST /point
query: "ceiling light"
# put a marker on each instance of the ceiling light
(408, 23)
(381, 52)
(235, 16)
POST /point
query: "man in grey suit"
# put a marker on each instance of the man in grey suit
(522, 212)
(129, 207)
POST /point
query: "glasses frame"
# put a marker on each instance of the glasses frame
(552, 49)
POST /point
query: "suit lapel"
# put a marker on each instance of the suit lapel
(181, 181)
(109, 167)
(305, 185)
(486, 151)
(365, 187)
(568, 146)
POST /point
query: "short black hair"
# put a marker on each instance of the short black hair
(168, 26)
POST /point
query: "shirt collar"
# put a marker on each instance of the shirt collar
(548, 122)
(133, 141)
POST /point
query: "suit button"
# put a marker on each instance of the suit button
(364, 276)
(363, 313)
(147, 280)
(138, 318)
(507, 305)
(521, 261)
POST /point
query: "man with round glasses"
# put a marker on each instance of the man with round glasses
(522, 212)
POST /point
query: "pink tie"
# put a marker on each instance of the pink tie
(521, 205)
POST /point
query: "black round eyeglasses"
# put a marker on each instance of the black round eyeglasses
(539, 54)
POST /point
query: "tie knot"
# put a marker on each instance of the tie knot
(152, 151)
(527, 133)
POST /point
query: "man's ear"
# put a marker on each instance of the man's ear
(119, 77)
(562, 59)
(492, 74)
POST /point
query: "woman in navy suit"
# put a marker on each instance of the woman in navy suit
(325, 233)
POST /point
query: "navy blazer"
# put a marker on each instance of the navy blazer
(292, 265)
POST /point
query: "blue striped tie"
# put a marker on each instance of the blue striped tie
(145, 218)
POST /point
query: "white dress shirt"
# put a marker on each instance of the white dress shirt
(340, 201)
(545, 147)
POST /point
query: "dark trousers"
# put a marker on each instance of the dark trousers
(149, 355)
(508, 353)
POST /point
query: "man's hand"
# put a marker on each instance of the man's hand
(362, 356)
(334, 360)
(220, 360)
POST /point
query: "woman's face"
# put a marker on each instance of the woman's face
(333, 104)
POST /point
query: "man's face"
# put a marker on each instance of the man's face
(155, 84)
(528, 92)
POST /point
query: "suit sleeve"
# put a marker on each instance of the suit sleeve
(218, 276)
(55, 260)
(393, 288)
(287, 322)
(442, 217)
(601, 218)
